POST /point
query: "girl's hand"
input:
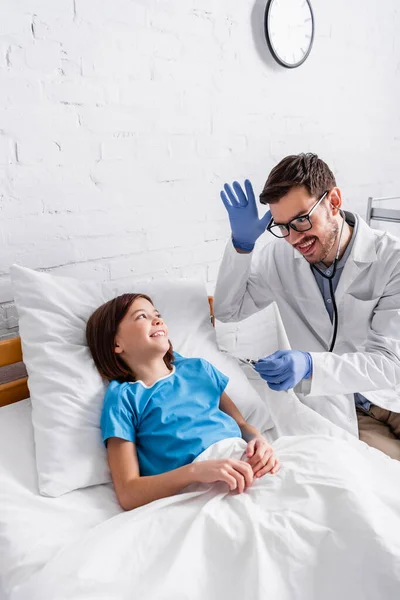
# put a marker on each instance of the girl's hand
(261, 457)
(237, 474)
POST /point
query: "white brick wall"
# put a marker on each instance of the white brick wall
(120, 121)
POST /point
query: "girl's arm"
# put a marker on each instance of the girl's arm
(133, 490)
(230, 408)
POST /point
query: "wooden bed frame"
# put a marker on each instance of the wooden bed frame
(11, 354)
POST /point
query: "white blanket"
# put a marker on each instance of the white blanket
(327, 526)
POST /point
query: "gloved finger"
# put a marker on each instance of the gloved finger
(268, 363)
(272, 368)
(266, 219)
(232, 198)
(240, 194)
(266, 378)
(225, 200)
(279, 355)
(276, 378)
(249, 192)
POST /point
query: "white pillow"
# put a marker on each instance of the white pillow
(67, 391)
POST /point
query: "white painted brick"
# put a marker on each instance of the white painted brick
(119, 148)
(39, 151)
(34, 121)
(127, 175)
(39, 55)
(183, 145)
(59, 152)
(18, 91)
(7, 150)
(80, 150)
(6, 291)
(139, 264)
(47, 254)
(194, 272)
(7, 258)
(110, 246)
(71, 67)
(102, 63)
(202, 253)
(103, 120)
(211, 146)
(16, 22)
(96, 271)
(50, 10)
(132, 283)
(217, 230)
(33, 229)
(156, 44)
(172, 237)
(118, 11)
(79, 92)
(141, 96)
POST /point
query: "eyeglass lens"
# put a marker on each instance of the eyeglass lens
(301, 224)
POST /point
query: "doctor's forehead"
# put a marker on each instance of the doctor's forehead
(296, 202)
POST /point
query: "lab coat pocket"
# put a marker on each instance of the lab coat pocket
(357, 319)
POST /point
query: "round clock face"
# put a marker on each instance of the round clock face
(289, 30)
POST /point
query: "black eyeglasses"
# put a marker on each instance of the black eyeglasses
(300, 224)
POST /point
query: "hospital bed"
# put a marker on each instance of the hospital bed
(44, 541)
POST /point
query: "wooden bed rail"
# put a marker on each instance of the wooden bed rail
(11, 354)
(16, 389)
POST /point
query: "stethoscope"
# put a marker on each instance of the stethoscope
(332, 291)
(330, 279)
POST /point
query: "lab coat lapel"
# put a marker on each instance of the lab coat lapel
(362, 255)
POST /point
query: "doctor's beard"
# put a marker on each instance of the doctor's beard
(324, 244)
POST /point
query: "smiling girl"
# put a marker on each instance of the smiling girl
(162, 410)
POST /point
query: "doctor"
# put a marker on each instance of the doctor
(336, 282)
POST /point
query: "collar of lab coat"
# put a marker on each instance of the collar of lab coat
(363, 250)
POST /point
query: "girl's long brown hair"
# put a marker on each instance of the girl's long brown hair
(101, 330)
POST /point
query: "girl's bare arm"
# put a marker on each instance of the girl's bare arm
(133, 490)
(230, 408)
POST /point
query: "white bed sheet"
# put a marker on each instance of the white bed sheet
(327, 526)
(34, 528)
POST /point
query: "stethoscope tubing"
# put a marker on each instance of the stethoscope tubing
(332, 292)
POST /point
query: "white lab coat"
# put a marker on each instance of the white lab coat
(366, 357)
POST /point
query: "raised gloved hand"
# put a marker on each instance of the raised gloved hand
(283, 369)
(243, 215)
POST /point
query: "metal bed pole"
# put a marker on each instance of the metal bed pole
(382, 214)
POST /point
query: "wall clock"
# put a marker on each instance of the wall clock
(289, 31)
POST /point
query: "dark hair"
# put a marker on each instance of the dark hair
(101, 330)
(295, 170)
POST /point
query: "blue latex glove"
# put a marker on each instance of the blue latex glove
(283, 369)
(243, 215)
